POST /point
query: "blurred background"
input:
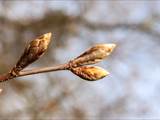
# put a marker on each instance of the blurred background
(130, 91)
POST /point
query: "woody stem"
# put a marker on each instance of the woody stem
(9, 76)
(43, 70)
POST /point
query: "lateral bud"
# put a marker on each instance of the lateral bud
(33, 51)
(93, 55)
(90, 73)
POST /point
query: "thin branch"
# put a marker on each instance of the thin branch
(43, 70)
(8, 76)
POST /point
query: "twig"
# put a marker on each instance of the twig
(43, 70)
(8, 76)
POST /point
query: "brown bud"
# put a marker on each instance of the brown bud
(90, 73)
(32, 52)
(93, 55)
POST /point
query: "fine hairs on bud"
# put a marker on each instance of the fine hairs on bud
(93, 55)
(33, 51)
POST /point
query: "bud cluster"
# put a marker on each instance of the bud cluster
(79, 66)
(91, 56)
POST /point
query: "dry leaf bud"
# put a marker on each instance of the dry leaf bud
(93, 55)
(90, 73)
(32, 52)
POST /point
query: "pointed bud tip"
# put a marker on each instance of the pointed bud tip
(48, 35)
(101, 72)
(112, 45)
(105, 73)
(109, 45)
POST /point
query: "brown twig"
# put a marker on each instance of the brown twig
(9, 76)
(43, 70)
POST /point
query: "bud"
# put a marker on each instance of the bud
(32, 52)
(93, 55)
(90, 73)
